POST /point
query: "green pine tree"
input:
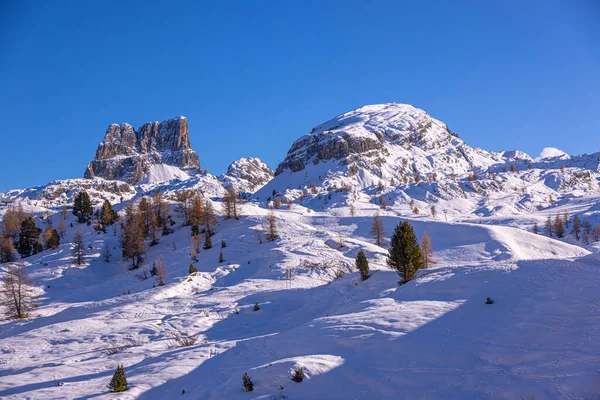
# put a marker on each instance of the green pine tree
(362, 264)
(298, 375)
(118, 383)
(405, 255)
(221, 257)
(29, 238)
(192, 269)
(82, 207)
(207, 242)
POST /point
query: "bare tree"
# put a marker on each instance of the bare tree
(7, 250)
(16, 292)
(433, 211)
(159, 268)
(132, 239)
(426, 250)
(106, 253)
(77, 249)
(61, 228)
(377, 230)
(232, 204)
(271, 227)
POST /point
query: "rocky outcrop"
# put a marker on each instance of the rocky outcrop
(247, 175)
(126, 154)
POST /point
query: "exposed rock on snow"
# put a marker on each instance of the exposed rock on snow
(128, 155)
(247, 175)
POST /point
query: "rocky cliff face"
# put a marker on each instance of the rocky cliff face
(247, 175)
(126, 154)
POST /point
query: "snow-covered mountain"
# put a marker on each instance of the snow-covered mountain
(268, 307)
(247, 175)
(147, 153)
(401, 155)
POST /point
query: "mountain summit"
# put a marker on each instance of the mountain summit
(129, 155)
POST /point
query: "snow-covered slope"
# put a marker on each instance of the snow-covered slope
(433, 338)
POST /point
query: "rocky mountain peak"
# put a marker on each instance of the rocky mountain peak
(127, 154)
(247, 175)
(374, 135)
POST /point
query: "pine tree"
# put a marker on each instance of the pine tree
(426, 250)
(377, 230)
(16, 292)
(247, 382)
(207, 241)
(77, 248)
(559, 226)
(298, 375)
(596, 232)
(576, 227)
(82, 207)
(405, 255)
(192, 269)
(220, 257)
(536, 228)
(29, 238)
(118, 383)
(362, 264)
(566, 219)
(271, 227)
(223, 243)
(145, 211)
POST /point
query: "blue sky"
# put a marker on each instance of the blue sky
(252, 76)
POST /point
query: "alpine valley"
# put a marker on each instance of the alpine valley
(267, 283)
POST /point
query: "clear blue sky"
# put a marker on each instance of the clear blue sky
(252, 76)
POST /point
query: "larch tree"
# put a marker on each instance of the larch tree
(132, 236)
(536, 228)
(61, 228)
(7, 250)
(576, 227)
(405, 255)
(160, 271)
(426, 250)
(271, 227)
(377, 230)
(559, 226)
(16, 292)
(77, 248)
(209, 218)
(51, 237)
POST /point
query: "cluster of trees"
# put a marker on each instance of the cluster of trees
(149, 218)
(20, 234)
(559, 225)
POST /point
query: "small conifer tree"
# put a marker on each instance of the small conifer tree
(207, 241)
(362, 264)
(298, 375)
(256, 307)
(192, 269)
(221, 257)
(247, 382)
(118, 383)
(223, 243)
